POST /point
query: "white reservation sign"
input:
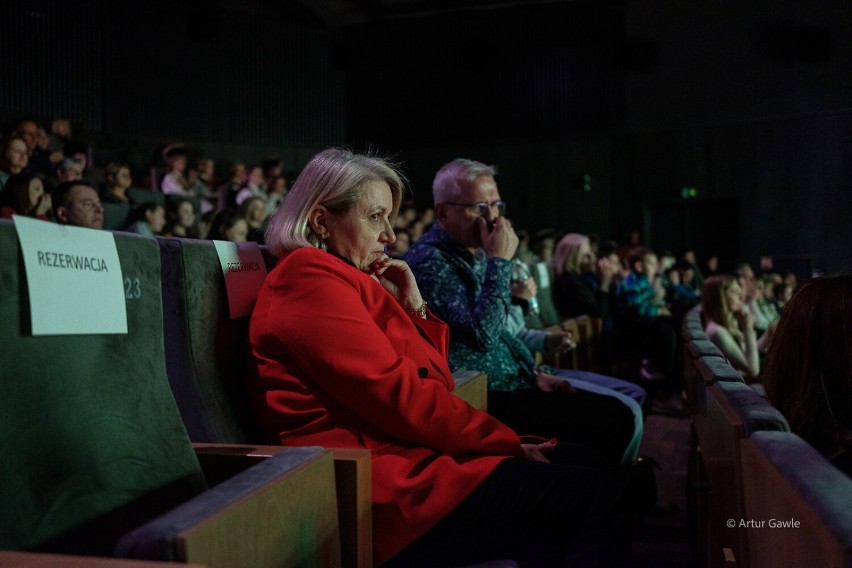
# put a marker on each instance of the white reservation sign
(73, 278)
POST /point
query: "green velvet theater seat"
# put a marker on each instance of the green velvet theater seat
(97, 461)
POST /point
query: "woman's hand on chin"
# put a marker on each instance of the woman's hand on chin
(397, 278)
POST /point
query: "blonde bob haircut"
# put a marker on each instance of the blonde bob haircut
(334, 178)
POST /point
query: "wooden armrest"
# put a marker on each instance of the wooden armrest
(353, 481)
(280, 512)
(472, 387)
(43, 560)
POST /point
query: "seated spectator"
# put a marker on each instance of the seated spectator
(24, 194)
(180, 218)
(345, 353)
(766, 298)
(201, 181)
(253, 211)
(783, 294)
(583, 283)
(680, 297)
(69, 170)
(77, 203)
(175, 182)
(277, 191)
(228, 225)
(272, 167)
(40, 162)
(808, 376)
(642, 319)
(117, 181)
(697, 281)
(26, 129)
(255, 186)
(147, 219)
(14, 157)
(730, 325)
(229, 190)
(463, 266)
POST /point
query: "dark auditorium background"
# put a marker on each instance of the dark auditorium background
(722, 126)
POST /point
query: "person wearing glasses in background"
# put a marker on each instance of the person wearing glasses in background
(463, 267)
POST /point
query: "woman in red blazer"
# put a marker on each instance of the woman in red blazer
(346, 354)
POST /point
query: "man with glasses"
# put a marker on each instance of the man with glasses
(463, 266)
(77, 203)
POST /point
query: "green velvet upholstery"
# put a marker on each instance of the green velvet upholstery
(88, 424)
(205, 348)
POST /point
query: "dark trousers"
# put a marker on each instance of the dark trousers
(547, 515)
(569, 512)
(601, 424)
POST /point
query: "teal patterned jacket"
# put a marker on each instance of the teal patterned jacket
(471, 293)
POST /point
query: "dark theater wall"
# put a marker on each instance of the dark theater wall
(237, 81)
(749, 103)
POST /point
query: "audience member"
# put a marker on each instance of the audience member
(229, 190)
(201, 181)
(24, 194)
(253, 211)
(147, 219)
(808, 375)
(174, 182)
(643, 320)
(14, 157)
(228, 225)
(180, 218)
(463, 265)
(27, 129)
(77, 203)
(730, 325)
(451, 484)
(255, 186)
(117, 181)
(69, 170)
(277, 189)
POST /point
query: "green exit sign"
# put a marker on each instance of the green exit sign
(689, 192)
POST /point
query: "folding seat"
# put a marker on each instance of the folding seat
(97, 459)
(116, 215)
(205, 354)
(140, 195)
(798, 504)
(734, 412)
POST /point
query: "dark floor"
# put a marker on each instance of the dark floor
(662, 539)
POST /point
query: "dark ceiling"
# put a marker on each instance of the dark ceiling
(336, 14)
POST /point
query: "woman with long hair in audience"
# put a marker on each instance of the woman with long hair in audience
(228, 225)
(808, 374)
(730, 325)
(583, 284)
(24, 194)
(180, 218)
(253, 211)
(345, 353)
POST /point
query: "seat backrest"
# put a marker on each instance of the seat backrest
(139, 195)
(116, 215)
(694, 380)
(92, 437)
(788, 483)
(205, 348)
(734, 411)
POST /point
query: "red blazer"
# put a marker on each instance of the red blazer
(337, 362)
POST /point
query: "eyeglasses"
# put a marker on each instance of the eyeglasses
(482, 207)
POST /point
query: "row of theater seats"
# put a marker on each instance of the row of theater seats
(140, 445)
(761, 496)
(118, 215)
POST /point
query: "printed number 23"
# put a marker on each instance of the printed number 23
(132, 289)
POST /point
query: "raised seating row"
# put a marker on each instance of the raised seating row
(200, 362)
(750, 475)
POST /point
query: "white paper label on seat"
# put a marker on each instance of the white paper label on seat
(244, 271)
(73, 278)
